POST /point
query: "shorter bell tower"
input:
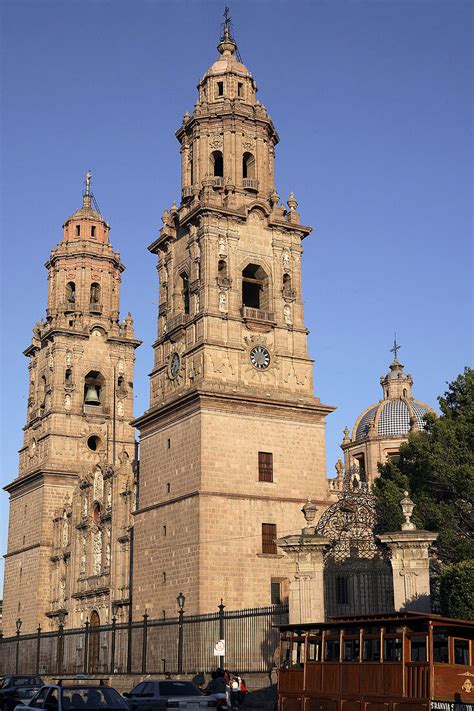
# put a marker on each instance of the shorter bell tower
(67, 517)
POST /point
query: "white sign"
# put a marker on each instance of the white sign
(219, 648)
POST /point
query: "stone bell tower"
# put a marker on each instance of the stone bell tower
(65, 516)
(234, 439)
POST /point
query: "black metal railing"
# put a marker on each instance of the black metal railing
(184, 644)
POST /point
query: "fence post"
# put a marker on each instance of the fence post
(38, 650)
(221, 631)
(112, 645)
(144, 642)
(86, 647)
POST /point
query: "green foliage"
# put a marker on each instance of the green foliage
(457, 590)
(437, 467)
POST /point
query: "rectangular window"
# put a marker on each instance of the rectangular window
(275, 589)
(220, 88)
(440, 648)
(269, 534)
(461, 652)
(240, 89)
(342, 590)
(418, 649)
(93, 231)
(392, 649)
(78, 230)
(265, 466)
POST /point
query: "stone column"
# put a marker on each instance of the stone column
(306, 550)
(409, 550)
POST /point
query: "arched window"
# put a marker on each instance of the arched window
(404, 392)
(94, 384)
(68, 377)
(222, 268)
(71, 292)
(217, 164)
(42, 391)
(185, 292)
(95, 293)
(248, 166)
(255, 287)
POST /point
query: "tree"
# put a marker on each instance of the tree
(436, 466)
(457, 590)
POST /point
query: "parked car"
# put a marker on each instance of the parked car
(162, 695)
(76, 697)
(17, 689)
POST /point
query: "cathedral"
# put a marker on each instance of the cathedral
(233, 441)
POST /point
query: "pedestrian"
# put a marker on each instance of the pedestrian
(243, 691)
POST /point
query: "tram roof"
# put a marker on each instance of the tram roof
(381, 620)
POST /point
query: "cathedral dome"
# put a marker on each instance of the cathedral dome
(398, 413)
(391, 418)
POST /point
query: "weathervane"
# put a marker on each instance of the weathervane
(226, 18)
(395, 348)
(88, 182)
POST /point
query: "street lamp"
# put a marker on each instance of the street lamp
(18, 624)
(180, 600)
(61, 618)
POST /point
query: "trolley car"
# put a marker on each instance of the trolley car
(397, 662)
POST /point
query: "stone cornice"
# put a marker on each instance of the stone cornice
(36, 477)
(252, 401)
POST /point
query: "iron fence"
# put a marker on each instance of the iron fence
(184, 644)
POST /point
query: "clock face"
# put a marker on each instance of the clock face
(260, 357)
(175, 365)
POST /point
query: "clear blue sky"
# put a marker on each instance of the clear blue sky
(372, 101)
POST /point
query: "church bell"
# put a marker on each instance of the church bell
(92, 397)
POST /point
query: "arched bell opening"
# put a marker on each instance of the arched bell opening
(71, 292)
(94, 389)
(222, 268)
(95, 293)
(217, 164)
(248, 166)
(255, 291)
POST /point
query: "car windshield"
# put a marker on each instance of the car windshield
(87, 697)
(178, 688)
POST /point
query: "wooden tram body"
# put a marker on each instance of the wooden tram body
(397, 662)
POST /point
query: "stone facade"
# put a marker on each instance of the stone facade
(71, 503)
(234, 439)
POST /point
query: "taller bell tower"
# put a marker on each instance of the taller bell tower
(234, 441)
(68, 527)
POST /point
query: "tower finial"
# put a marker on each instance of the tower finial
(227, 44)
(86, 198)
(395, 348)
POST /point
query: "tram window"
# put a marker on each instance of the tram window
(285, 653)
(371, 650)
(418, 649)
(314, 650)
(461, 651)
(351, 650)
(392, 649)
(331, 652)
(440, 648)
(297, 654)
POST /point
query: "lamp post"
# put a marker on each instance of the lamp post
(221, 630)
(61, 618)
(180, 600)
(18, 624)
